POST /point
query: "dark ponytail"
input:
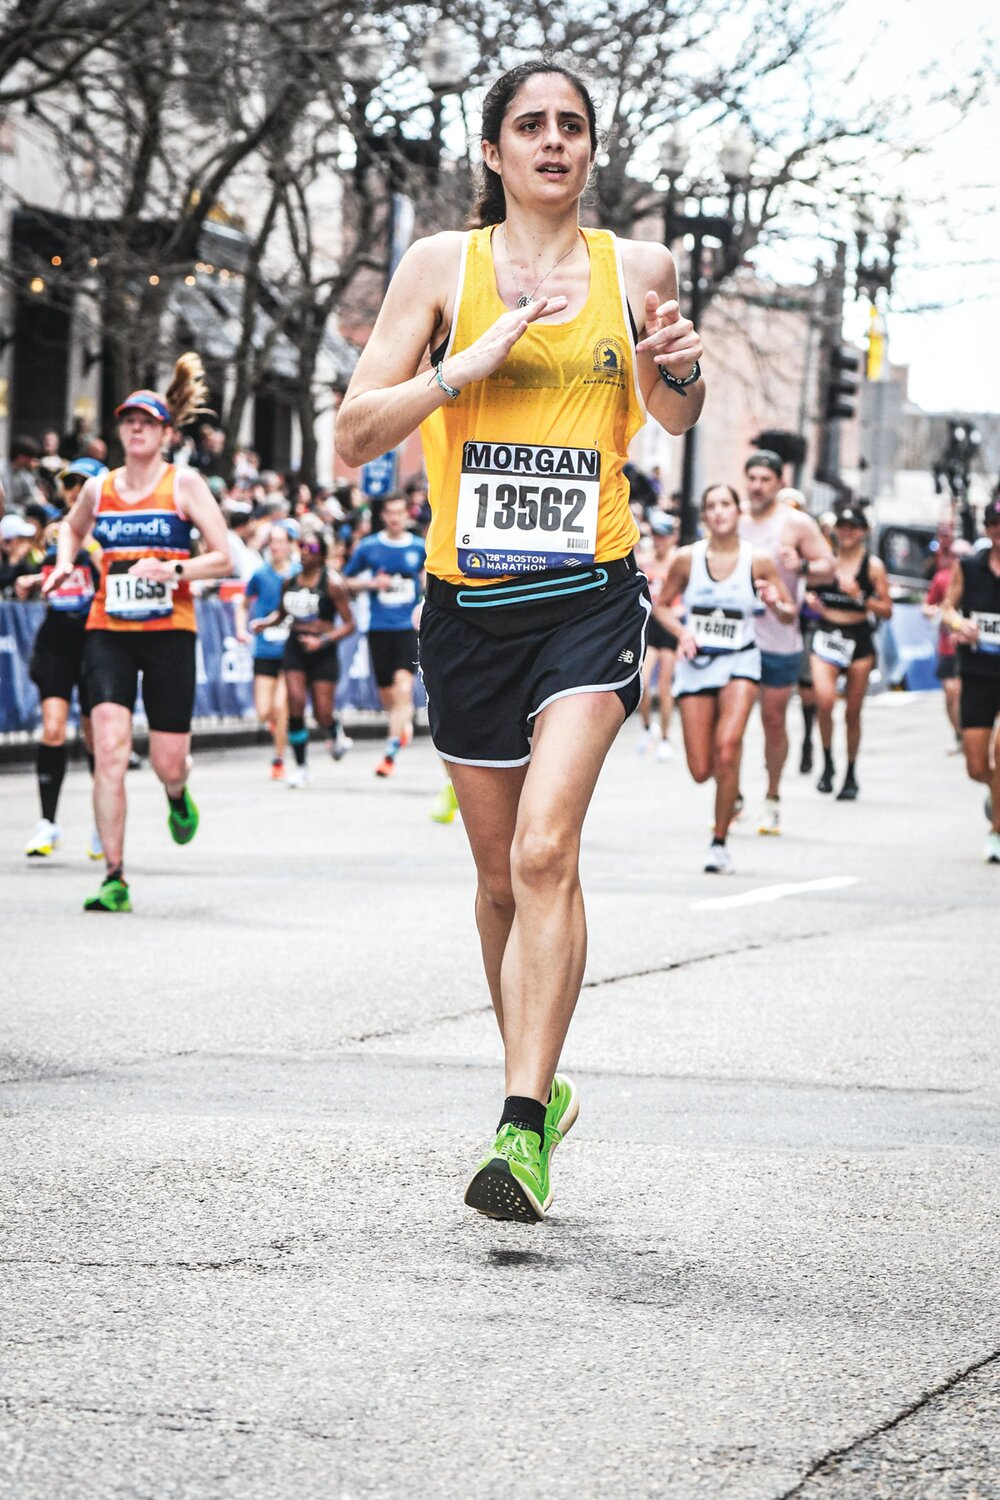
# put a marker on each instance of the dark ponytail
(490, 206)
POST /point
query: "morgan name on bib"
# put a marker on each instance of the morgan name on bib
(523, 508)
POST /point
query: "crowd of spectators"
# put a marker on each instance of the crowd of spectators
(251, 497)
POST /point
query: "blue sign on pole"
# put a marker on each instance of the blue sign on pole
(378, 478)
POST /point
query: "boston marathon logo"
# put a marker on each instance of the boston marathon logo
(531, 461)
(163, 529)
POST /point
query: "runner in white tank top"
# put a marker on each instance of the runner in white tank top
(725, 584)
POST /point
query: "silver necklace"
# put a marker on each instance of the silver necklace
(525, 299)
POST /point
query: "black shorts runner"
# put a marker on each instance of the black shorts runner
(980, 702)
(490, 667)
(321, 665)
(267, 666)
(391, 651)
(113, 660)
(56, 665)
(659, 638)
(860, 634)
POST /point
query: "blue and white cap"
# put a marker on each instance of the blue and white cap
(147, 401)
(89, 468)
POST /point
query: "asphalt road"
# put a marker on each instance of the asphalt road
(235, 1129)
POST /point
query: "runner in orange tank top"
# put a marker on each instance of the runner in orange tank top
(142, 619)
(548, 346)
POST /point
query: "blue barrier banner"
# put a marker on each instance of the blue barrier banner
(225, 668)
(908, 649)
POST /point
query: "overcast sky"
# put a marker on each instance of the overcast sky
(951, 255)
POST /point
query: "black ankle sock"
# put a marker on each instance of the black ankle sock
(526, 1113)
(808, 719)
(719, 842)
(850, 772)
(51, 770)
(116, 872)
(828, 759)
(179, 804)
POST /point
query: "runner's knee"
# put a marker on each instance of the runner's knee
(542, 857)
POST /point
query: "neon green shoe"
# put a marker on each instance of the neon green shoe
(183, 826)
(560, 1117)
(512, 1182)
(113, 896)
(445, 805)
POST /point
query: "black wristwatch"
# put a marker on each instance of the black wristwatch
(680, 386)
(179, 569)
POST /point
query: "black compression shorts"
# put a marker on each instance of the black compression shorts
(321, 665)
(56, 665)
(659, 638)
(392, 651)
(980, 702)
(113, 660)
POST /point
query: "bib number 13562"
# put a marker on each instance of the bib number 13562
(524, 508)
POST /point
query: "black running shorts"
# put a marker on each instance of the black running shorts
(113, 660)
(659, 638)
(321, 665)
(980, 702)
(392, 651)
(56, 665)
(267, 666)
(487, 682)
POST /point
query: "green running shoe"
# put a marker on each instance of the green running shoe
(560, 1116)
(183, 826)
(512, 1182)
(113, 896)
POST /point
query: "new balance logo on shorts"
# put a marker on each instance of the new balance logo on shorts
(628, 657)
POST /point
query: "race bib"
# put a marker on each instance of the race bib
(302, 605)
(716, 630)
(74, 594)
(135, 599)
(401, 590)
(524, 508)
(831, 646)
(989, 632)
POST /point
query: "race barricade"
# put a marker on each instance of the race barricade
(225, 668)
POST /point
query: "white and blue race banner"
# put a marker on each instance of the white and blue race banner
(225, 668)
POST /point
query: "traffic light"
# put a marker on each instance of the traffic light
(841, 383)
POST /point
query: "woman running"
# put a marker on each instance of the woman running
(843, 642)
(548, 344)
(661, 644)
(724, 582)
(142, 618)
(56, 666)
(311, 602)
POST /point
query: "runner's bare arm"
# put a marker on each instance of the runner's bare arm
(338, 593)
(667, 340)
(771, 590)
(386, 399)
(880, 600)
(963, 629)
(805, 543)
(676, 581)
(72, 532)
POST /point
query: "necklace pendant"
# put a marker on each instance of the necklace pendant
(524, 300)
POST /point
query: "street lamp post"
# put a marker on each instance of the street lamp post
(735, 159)
(874, 274)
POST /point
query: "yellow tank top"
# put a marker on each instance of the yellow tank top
(525, 468)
